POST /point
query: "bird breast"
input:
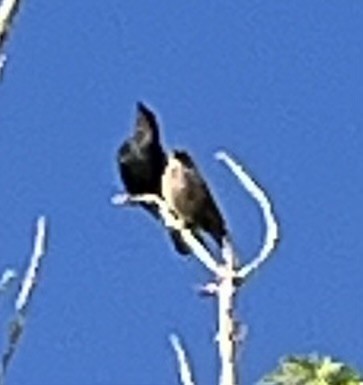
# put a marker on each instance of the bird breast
(179, 192)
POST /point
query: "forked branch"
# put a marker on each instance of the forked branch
(272, 234)
(227, 275)
(31, 276)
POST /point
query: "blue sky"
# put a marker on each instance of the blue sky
(276, 83)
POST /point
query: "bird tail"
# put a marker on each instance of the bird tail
(180, 246)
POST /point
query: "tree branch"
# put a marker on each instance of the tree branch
(227, 336)
(227, 275)
(8, 10)
(170, 221)
(17, 324)
(272, 234)
(31, 275)
(185, 372)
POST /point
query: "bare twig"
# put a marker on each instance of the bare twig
(228, 336)
(8, 10)
(16, 326)
(30, 278)
(257, 192)
(185, 372)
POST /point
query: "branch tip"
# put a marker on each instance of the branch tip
(272, 230)
(185, 372)
(30, 277)
(208, 290)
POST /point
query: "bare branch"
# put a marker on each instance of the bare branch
(16, 328)
(227, 336)
(227, 275)
(185, 372)
(30, 278)
(8, 10)
(17, 324)
(257, 192)
(171, 221)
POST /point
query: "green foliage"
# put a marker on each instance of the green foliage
(312, 371)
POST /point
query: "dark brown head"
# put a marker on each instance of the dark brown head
(184, 158)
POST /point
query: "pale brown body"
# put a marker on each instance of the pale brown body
(188, 195)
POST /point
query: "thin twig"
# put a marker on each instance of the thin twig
(185, 372)
(8, 10)
(30, 278)
(17, 324)
(272, 234)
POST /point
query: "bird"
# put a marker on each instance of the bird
(141, 158)
(188, 196)
(141, 162)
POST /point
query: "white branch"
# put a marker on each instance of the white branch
(185, 372)
(256, 191)
(8, 9)
(227, 338)
(227, 275)
(229, 253)
(170, 221)
(31, 274)
(16, 325)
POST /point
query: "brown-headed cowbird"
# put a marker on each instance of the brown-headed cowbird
(141, 160)
(188, 195)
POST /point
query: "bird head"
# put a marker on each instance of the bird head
(183, 157)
